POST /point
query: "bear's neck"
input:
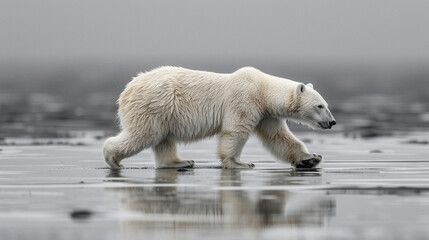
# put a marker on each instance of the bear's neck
(281, 98)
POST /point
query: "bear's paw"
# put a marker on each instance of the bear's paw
(309, 163)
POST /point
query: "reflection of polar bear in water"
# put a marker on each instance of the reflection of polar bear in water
(171, 104)
(168, 203)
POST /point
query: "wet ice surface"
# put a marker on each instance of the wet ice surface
(365, 189)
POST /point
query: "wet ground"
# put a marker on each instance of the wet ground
(367, 188)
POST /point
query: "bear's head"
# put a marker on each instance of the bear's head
(311, 108)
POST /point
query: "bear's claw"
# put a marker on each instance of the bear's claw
(179, 164)
(191, 164)
(309, 163)
(237, 165)
(113, 164)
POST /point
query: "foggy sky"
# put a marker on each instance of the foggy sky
(53, 30)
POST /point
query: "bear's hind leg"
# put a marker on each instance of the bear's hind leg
(124, 145)
(166, 156)
(230, 146)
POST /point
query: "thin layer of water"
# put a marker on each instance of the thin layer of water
(66, 192)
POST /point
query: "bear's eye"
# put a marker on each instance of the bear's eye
(320, 106)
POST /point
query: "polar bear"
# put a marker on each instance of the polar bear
(168, 105)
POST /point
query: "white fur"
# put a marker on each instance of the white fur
(172, 104)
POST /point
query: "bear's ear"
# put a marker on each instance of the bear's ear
(309, 85)
(300, 88)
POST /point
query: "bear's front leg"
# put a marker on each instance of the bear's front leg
(230, 146)
(277, 137)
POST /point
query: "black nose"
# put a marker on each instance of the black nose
(332, 123)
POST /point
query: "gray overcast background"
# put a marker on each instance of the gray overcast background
(345, 47)
(55, 30)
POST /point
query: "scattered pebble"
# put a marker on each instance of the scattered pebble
(414, 141)
(81, 214)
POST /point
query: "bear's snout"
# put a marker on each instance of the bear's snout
(327, 125)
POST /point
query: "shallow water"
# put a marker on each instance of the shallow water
(365, 189)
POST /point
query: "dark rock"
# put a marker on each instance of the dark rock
(376, 151)
(182, 170)
(81, 214)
